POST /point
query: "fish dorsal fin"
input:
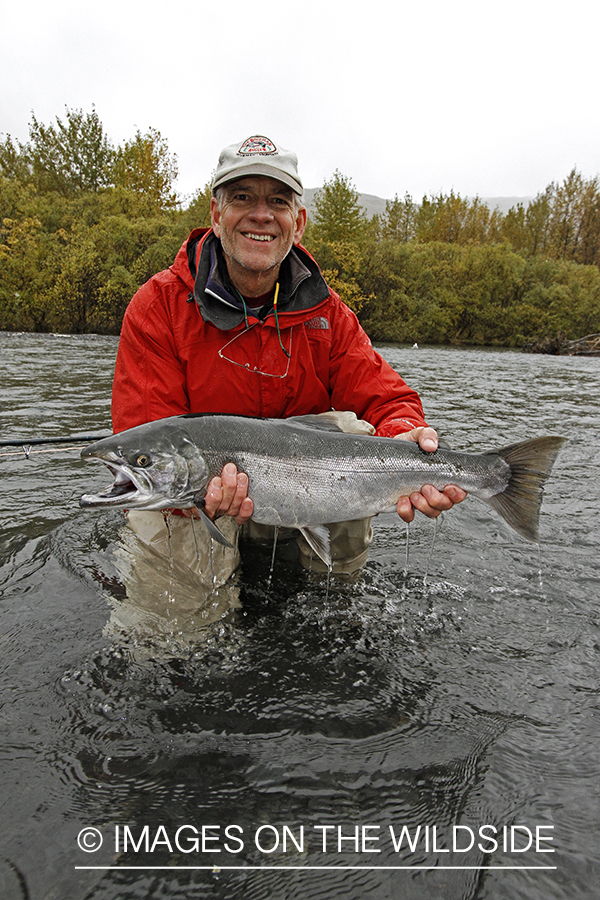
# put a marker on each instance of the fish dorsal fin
(317, 536)
(314, 421)
(334, 420)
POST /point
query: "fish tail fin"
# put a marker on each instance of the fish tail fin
(530, 463)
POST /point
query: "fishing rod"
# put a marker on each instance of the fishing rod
(73, 438)
(26, 444)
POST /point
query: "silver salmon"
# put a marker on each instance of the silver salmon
(304, 472)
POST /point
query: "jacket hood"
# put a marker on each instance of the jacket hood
(181, 264)
(200, 263)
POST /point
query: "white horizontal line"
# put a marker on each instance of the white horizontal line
(217, 869)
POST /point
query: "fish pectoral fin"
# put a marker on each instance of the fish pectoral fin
(214, 532)
(317, 536)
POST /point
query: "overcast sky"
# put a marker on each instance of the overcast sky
(494, 99)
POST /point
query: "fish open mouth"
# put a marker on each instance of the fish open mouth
(129, 488)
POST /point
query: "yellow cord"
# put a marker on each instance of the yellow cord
(277, 320)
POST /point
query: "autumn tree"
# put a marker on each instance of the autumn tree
(451, 219)
(337, 235)
(575, 219)
(398, 221)
(197, 213)
(70, 156)
(13, 160)
(562, 222)
(528, 228)
(588, 251)
(21, 262)
(338, 216)
(342, 264)
(145, 167)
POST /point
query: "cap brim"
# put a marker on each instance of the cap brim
(258, 169)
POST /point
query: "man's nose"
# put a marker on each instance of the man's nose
(261, 209)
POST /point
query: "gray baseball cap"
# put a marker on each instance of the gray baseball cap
(258, 155)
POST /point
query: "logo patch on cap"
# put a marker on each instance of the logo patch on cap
(257, 145)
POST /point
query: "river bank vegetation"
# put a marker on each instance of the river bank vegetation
(83, 223)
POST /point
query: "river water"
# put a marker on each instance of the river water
(283, 750)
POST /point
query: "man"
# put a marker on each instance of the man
(244, 323)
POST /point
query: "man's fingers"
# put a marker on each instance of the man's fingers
(246, 509)
(406, 510)
(227, 495)
(213, 496)
(229, 487)
(424, 436)
(430, 501)
(456, 494)
(438, 501)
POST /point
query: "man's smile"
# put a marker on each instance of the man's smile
(258, 237)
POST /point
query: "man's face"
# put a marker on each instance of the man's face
(257, 224)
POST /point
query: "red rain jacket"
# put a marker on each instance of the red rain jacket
(185, 348)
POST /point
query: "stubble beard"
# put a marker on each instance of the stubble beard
(264, 277)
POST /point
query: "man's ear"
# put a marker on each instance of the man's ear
(301, 219)
(215, 217)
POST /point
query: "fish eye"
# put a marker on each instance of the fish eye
(143, 460)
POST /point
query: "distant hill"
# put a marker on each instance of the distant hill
(376, 205)
(503, 204)
(372, 204)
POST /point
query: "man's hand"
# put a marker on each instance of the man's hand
(227, 495)
(428, 500)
